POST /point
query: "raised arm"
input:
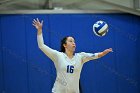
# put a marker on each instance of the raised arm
(38, 25)
(52, 54)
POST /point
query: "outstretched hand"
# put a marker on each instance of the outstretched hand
(38, 25)
(108, 50)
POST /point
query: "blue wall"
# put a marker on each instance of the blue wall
(25, 69)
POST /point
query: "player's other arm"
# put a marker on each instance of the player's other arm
(106, 51)
(90, 56)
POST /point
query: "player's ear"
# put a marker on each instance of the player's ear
(64, 45)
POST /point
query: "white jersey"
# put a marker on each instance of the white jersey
(68, 70)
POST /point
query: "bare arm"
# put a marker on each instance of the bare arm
(106, 51)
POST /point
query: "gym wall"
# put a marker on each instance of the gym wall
(25, 69)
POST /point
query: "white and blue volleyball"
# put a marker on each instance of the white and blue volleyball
(100, 28)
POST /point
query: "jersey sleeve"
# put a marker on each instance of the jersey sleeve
(88, 56)
(51, 53)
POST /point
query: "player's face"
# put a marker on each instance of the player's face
(70, 44)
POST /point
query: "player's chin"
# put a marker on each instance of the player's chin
(73, 49)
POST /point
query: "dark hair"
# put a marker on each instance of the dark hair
(63, 41)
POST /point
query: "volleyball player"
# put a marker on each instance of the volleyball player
(68, 64)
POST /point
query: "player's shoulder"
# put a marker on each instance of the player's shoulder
(60, 53)
(85, 54)
(80, 53)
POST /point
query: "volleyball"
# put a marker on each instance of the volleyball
(100, 28)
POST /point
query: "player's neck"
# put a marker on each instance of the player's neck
(69, 54)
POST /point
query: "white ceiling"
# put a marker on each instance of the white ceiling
(130, 6)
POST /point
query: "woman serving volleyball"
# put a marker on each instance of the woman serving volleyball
(68, 64)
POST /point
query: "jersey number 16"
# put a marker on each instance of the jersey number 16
(70, 69)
